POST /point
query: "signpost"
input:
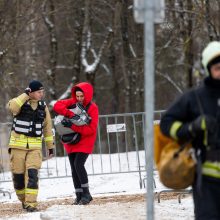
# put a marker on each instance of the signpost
(158, 11)
(149, 12)
(116, 128)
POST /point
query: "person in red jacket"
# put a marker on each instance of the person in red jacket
(79, 152)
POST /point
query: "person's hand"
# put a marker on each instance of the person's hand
(201, 124)
(27, 91)
(66, 123)
(50, 153)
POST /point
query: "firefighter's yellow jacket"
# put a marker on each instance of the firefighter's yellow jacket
(21, 141)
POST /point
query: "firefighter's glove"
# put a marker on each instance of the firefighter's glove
(201, 124)
(27, 91)
(67, 123)
(50, 152)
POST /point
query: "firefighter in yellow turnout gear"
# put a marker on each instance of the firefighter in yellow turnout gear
(31, 122)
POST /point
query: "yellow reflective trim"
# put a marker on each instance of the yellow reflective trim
(203, 124)
(35, 138)
(18, 142)
(21, 141)
(20, 191)
(31, 191)
(213, 165)
(18, 101)
(211, 172)
(18, 145)
(35, 142)
(205, 139)
(211, 169)
(49, 138)
(32, 204)
(24, 145)
(174, 128)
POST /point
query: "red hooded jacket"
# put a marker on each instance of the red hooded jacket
(88, 132)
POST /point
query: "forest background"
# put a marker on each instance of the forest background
(64, 42)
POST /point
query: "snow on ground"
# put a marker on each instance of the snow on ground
(110, 185)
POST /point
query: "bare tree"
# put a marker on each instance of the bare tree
(90, 69)
(49, 20)
(62, 43)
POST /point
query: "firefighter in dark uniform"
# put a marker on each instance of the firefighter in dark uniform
(195, 117)
(31, 122)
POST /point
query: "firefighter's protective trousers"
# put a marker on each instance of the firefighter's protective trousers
(25, 165)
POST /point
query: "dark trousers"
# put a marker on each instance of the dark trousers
(79, 174)
(207, 199)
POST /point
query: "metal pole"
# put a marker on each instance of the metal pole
(149, 100)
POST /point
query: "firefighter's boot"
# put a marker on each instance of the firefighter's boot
(31, 209)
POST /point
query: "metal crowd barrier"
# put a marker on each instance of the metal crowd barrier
(119, 148)
(180, 193)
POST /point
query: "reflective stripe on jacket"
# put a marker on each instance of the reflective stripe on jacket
(24, 142)
(211, 169)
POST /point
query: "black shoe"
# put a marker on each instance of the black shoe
(31, 209)
(85, 200)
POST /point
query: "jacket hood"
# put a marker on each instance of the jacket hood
(209, 53)
(87, 89)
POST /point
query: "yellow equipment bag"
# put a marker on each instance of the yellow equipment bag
(160, 141)
(175, 163)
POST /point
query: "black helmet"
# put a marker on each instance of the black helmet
(72, 138)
